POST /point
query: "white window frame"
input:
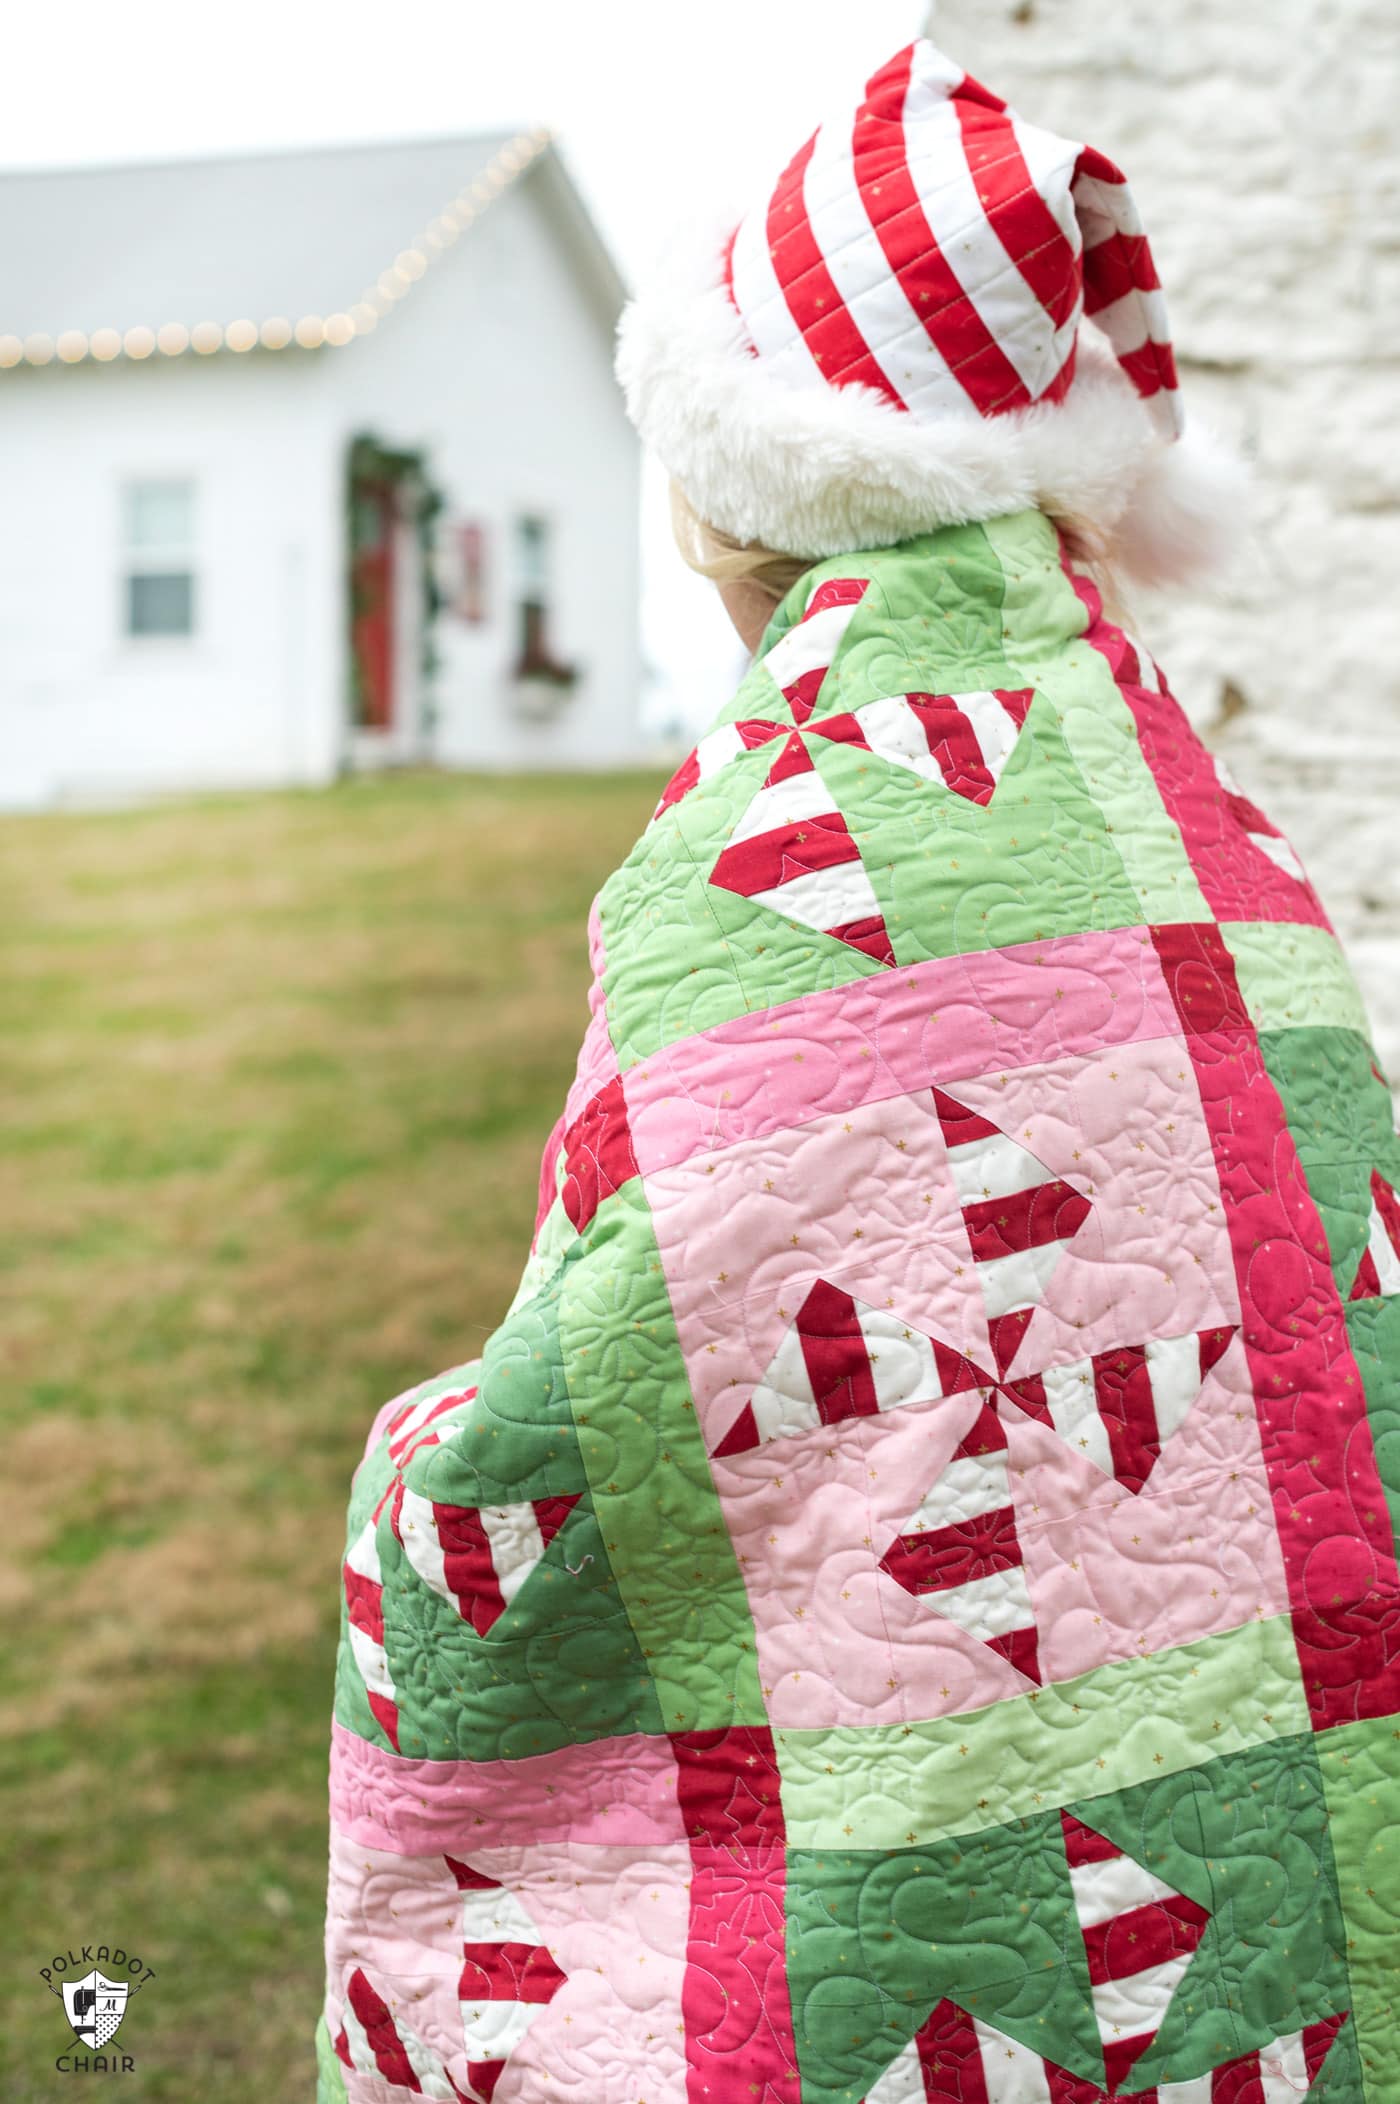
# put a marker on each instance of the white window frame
(158, 559)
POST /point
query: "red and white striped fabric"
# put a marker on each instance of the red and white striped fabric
(960, 741)
(418, 1425)
(477, 1556)
(842, 1358)
(798, 663)
(508, 1975)
(714, 753)
(958, 2058)
(1140, 1935)
(1119, 1408)
(793, 851)
(1261, 830)
(931, 246)
(800, 660)
(372, 2040)
(1134, 664)
(1018, 1214)
(1378, 1274)
(1278, 2073)
(363, 1580)
(959, 1553)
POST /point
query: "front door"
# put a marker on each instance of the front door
(374, 514)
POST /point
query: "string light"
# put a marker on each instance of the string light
(310, 331)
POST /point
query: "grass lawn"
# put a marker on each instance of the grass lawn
(277, 1072)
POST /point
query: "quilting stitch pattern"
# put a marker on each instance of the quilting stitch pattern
(906, 1606)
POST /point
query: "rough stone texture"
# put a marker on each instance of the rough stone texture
(1261, 145)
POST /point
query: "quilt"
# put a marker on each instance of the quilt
(905, 1609)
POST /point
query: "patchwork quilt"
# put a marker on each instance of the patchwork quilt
(906, 1606)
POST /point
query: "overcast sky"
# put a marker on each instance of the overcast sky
(663, 109)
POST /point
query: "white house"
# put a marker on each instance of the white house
(312, 460)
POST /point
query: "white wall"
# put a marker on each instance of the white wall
(500, 370)
(252, 697)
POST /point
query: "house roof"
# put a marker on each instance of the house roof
(274, 249)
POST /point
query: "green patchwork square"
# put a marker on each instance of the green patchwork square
(933, 603)
(953, 877)
(560, 1663)
(663, 1529)
(875, 1939)
(1246, 1837)
(949, 876)
(683, 954)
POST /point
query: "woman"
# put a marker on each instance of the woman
(906, 1605)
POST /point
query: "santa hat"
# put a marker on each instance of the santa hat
(891, 340)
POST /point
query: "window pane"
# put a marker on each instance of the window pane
(160, 603)
(159, 514)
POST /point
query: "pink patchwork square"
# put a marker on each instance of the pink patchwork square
(847, 1293)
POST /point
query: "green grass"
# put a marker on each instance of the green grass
(275, 1074)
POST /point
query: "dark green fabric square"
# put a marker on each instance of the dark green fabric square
(876, 1938)
(1245, 1836)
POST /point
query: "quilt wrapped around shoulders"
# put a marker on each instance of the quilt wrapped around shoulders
(906, 1606)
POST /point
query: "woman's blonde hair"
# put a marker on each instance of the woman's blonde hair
(725, 560)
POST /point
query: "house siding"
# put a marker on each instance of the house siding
(251, 699)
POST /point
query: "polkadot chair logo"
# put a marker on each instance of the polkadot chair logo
(94, 1984)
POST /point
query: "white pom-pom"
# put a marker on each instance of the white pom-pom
(1188, 514)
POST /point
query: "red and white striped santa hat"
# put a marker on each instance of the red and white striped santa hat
(890, 340)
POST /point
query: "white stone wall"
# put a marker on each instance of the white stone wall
(1261, 143)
